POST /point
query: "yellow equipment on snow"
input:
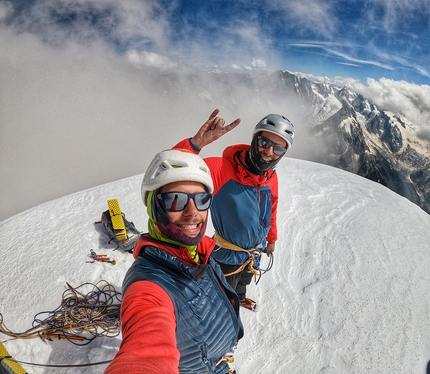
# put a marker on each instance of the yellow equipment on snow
(117, 219)
(7, 364)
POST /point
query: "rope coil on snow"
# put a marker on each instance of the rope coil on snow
(80, 318)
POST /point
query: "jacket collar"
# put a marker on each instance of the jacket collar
(236, 155)
(204, 248)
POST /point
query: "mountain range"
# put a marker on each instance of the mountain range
(359, 136)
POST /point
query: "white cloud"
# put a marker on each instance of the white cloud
(423, 71)
(151, 59)
(314, 15)
(81, 115)
(340, 51)
(5, 10)
(259, 63)
(350, 64)
(117, 21)
(391, 13)
(411, 100)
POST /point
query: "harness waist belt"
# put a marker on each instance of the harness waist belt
(226, 244)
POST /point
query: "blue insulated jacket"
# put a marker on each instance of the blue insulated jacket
(208, 325)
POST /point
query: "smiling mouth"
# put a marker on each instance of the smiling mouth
(189, 225)
(265, 159)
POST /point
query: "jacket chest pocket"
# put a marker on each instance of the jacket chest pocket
(265, 203)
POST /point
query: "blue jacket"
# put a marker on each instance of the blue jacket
(208, 325)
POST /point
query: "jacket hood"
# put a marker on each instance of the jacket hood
(237, 155)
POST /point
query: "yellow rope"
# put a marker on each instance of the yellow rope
(252, 253)
(228, 358)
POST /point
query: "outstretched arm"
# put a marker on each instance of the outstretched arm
(212, 130)
(148, 326)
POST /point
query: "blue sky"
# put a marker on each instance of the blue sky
(348, 38)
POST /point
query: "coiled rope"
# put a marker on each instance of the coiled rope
(80, 318)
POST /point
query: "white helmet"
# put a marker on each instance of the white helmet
(175, 165)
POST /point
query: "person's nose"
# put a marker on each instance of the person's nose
(190, 209)
(268, 152)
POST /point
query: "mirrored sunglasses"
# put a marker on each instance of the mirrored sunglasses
(178, 201)
(278, 150)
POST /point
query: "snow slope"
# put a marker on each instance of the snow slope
(348, 293)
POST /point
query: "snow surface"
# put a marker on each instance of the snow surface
(348, 292)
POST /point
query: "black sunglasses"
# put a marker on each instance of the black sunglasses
(178, 201)
(278, 149)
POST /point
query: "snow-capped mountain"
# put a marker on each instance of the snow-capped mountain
(360, 137)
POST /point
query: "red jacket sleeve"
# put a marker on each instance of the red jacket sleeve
(148, 332)
(186, 144)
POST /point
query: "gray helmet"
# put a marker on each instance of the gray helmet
(278, 125)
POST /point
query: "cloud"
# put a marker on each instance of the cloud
(390, 14)
(347, 57)
(259, 63)
(339, 50)
(350, 64)
(6, 9)
(122, 23)
(316, 16)
(411, 100)
(151, 59)
(423, 71)
(80, 114)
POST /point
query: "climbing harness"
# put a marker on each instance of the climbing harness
(252, 264)
(227, 358)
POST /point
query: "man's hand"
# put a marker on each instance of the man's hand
(270, 248)
(212, 130)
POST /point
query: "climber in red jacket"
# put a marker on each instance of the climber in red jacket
(245, 201)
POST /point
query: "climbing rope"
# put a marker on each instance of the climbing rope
(80, 318)
(264, 271)
(56, 366)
